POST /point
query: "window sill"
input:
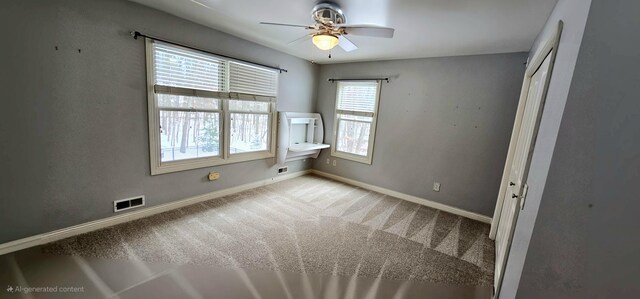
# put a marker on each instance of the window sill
(175, 166)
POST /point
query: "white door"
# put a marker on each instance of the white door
(516, 189)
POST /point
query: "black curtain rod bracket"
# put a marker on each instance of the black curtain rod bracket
(332, 80)
(137, 34)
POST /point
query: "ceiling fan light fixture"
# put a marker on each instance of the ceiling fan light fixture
(325, 41)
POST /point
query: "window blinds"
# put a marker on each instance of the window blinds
(187, 72)
(180, 67)
(357, 97)
(245, 78)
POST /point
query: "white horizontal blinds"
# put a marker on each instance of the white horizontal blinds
(250, 79)
(186, 72)
(181, 67)
(180, 91)
(357, 98)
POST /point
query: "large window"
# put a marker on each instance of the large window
(205, 110)
(355, 121)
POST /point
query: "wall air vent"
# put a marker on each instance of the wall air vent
(129, 203)
(283, 170)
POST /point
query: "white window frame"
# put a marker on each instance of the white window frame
(225, 157)
(368, 159)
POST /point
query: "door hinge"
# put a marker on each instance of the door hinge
(525, 189)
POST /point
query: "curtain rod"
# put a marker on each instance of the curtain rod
(332, 80)
(136, 34)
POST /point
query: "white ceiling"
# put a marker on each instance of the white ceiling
(424, 28)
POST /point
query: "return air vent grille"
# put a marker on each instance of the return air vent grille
(129, 203)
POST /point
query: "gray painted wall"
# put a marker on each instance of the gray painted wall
(74, 125)
(585, 242)
(574, 14)
(440, 119)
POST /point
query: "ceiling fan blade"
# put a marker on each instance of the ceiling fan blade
(304, 37)
(288, 25)
(368, 30)
(346, 44)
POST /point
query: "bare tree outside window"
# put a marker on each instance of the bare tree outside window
(207, 109)
(356, 108)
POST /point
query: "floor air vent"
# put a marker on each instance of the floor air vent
(129, 203)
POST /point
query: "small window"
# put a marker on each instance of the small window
(205, 110)
(355, 121)
(250, 126)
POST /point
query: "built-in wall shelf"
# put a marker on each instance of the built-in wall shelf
(301, 147)
(300, 136)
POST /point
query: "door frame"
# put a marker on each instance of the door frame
(549, 47)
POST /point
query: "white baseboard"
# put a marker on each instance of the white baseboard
(407, 197)
(113, 220)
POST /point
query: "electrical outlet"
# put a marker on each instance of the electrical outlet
(334, 162)
(436, 187)
(282, 170)
(214, 175)
(328, 161)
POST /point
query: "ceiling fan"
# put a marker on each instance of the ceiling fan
(330, 28)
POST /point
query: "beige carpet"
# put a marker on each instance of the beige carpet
(307, 224)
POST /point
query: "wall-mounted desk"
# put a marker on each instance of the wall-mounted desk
(300, 136)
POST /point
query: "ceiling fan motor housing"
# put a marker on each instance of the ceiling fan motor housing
(328, 14)
(330, 28)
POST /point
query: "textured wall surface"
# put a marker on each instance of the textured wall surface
(574, 15)
(585, 241)
(74, 123)
(444, 120)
